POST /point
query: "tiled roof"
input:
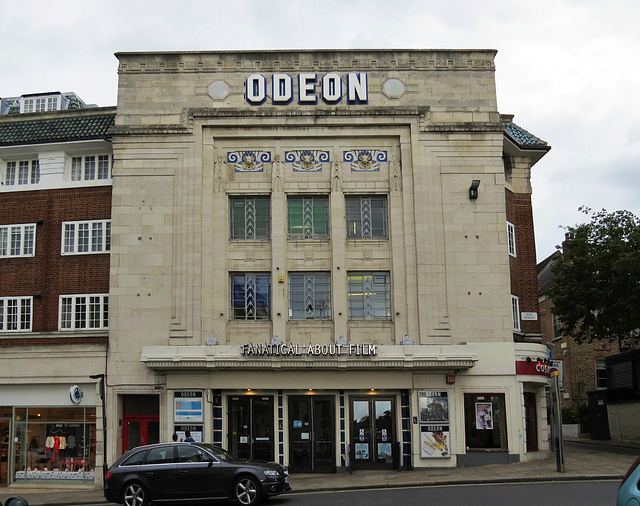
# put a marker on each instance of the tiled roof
(54, 128)
(522, 137)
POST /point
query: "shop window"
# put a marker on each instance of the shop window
(84, 312)
(23, 172)
(17, 240)
(369, 295)
(309, 296)
(367, 217)
(250, 296)
(60, 444)
(250, 217)
(86, 237)
(308, 217)
(511, 238)
(91, 168)
(485, 422)
(16, 314)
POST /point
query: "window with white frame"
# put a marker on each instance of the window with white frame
(22, 172)
(84, 312)
(366, 217)
(17, 240)
(511, 238)
(86, 237)
(557, 326)
(40, 104)
(309, 296)
(369, 295)
(91, 168)
(601, 373)
(515, 312)
(16, 314)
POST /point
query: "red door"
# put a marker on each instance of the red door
(139, 430)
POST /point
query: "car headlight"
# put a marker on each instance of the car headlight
(271, 472)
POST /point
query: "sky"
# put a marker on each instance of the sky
(565, 68)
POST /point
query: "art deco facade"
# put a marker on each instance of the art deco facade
(311, 259)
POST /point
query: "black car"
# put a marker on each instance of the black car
(174, 472)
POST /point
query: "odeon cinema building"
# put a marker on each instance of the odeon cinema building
(324, 258)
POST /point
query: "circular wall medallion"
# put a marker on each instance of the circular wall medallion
(393, 88)
(218, 90)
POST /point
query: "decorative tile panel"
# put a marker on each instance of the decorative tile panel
(307, 160)
(367, 160)
(249, 161)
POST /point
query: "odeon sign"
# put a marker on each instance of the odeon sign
(331, 88)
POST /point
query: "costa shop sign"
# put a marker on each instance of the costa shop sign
(307, 87)
(533, 368)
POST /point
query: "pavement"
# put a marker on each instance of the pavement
(583, 461)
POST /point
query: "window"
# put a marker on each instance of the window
(91, 168)
(86, 237)
(369, 295)
(250, 296)
(84, 312)
(40, 104)
(557, 326)
(15, 314)
(309, 296)
(17, 240)
(308, 217)
(515, 312)
(22, 172)
(511, 238)
(485, 422)
(367, 217)
(250, 217)
(601, 374)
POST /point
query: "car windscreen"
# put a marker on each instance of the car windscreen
(219, 453)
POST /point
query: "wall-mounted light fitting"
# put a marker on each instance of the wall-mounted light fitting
(473, 189)
(37, 295)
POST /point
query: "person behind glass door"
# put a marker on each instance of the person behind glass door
(188, 438)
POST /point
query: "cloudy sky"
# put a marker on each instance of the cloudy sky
(567, 69)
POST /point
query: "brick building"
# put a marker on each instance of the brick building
(582, 366)
(55, 219)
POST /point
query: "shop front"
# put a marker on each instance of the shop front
(322, 414)
(48, 434)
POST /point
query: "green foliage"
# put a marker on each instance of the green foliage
(597, 281)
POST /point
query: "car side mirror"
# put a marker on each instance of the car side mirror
(15, 501)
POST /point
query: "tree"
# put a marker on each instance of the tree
(597, 280)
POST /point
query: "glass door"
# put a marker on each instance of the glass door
(311, 434)
(251, 427)
(373, 444)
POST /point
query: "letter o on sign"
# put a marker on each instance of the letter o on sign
(256, 88)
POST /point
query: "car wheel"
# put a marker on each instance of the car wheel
(246, 490)
(134, 495)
